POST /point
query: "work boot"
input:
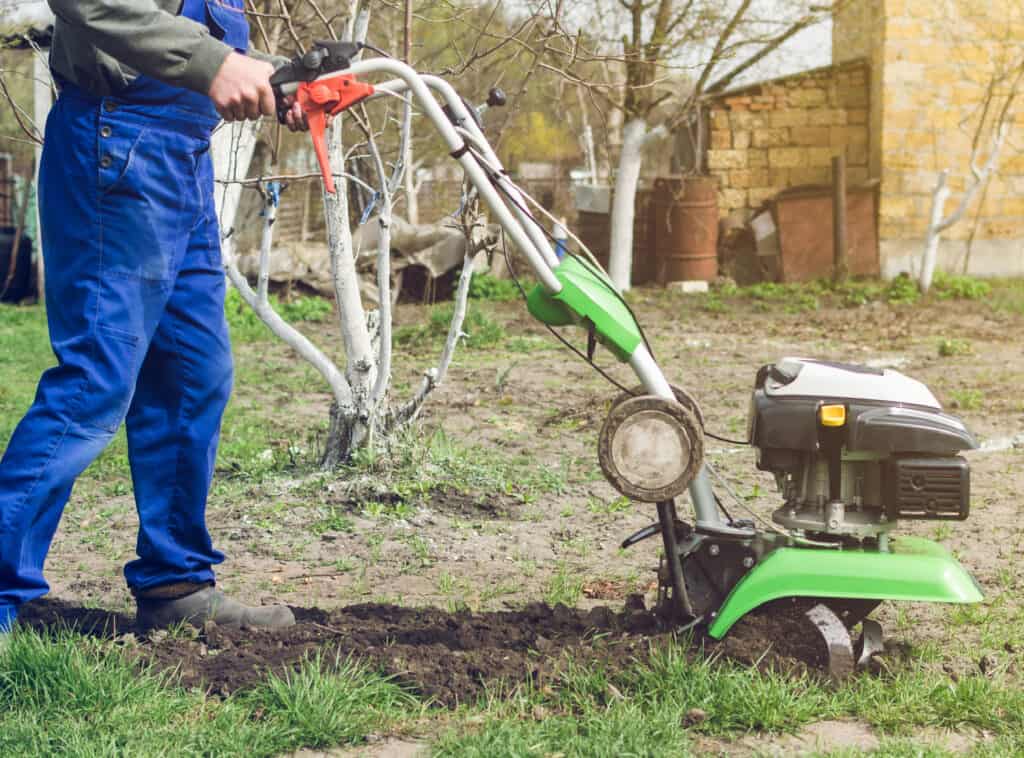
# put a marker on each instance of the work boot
(172, 604)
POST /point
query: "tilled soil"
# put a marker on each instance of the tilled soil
(448, 658)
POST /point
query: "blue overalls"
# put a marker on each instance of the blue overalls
(135, 303)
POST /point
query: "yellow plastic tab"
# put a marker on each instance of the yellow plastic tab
(832, 415)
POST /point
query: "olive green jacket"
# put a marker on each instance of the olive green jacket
(102, 45)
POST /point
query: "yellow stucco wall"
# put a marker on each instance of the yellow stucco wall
(931, 63)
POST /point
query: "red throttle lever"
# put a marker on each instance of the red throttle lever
(328, 95)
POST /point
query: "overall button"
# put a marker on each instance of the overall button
(106, 161)
(109, 106)
(106, 131)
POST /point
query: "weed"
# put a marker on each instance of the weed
(713, 303)
(565, 586)
(526, 344)
(967, 399)
(480, 330)
(609, 507)
(951, 347)
(902, 290)
(956, 287)
(487, 287)
(333, 521)
(306, 309)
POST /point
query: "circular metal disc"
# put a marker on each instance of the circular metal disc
(650, 449)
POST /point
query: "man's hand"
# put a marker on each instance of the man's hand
(241, 89)
(295, 119)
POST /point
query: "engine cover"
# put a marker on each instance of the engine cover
(886, 412)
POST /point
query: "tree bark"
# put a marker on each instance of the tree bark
(627, 179)
(934, 235)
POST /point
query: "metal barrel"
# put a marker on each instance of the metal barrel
(686, 228)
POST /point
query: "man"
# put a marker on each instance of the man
(135, 293)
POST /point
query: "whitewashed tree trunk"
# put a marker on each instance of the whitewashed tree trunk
(349, 425)
(231, 149)
(934, 234)
(938, 222)
(635, 137)
(411, 186)
(360, 405)
(42, 99)
(627, 179)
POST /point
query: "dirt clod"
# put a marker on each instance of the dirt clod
(695, 716)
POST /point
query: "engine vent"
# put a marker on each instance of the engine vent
(928, 488)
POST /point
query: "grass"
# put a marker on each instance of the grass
(647, 710)
(811, 296)
(73, 696)
(481, 331)
(246, 326)
(418, 466)
(118, 709)
(486, 287)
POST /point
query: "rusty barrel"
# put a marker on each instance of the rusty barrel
(686, 226)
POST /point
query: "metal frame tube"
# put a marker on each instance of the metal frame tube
(512, 225)
(466, 120)
(520, 226)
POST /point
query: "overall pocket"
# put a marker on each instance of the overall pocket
(116, 145)
(111, 379)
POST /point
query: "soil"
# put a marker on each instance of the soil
(447, 658)
(491, 552)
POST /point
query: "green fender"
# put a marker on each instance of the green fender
(587, 296)
(915, 569)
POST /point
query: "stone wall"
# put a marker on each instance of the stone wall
(931, 64)
(783, 133)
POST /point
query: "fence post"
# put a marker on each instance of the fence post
(839, 237)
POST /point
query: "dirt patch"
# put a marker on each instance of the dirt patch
(492, 506)
(447, 657)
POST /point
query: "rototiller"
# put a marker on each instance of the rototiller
(853, 449)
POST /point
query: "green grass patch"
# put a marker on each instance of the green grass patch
(481, 331)
(487, 287)
(958, 287)
(419, 465)
(246, 326)
(649, 710)
(810, 296)
(24, 355)
(74, 696)
(70, 696)
(950, 347)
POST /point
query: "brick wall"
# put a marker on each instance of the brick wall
(784, 133)
(930, 65)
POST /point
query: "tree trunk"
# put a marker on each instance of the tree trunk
(339, 445)
(412, 202)
(934, 235)
(627, 179)
(42, 94)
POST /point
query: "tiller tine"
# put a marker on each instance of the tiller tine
(842, 661)
(870, 641)
(837, 640)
